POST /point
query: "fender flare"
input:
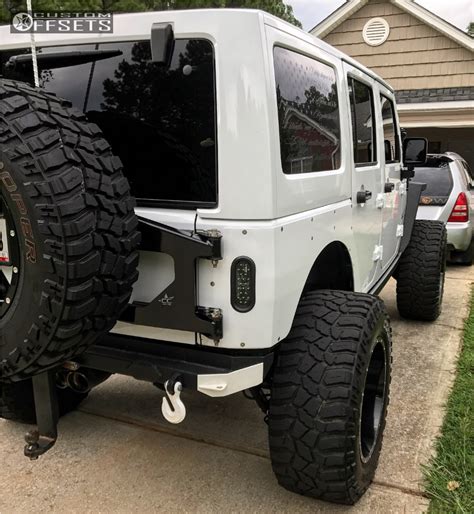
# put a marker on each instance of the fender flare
(413, 199)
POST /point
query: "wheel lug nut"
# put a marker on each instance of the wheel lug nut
(7, 300)
(15, 269)
(12, 233)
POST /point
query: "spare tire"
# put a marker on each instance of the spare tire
(70, 228)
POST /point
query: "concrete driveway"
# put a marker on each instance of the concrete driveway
(118, 455)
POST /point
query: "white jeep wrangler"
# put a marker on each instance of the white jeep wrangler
(214, 205)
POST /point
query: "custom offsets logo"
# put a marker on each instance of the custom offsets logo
(57, 22)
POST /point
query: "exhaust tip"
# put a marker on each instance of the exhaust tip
(78, 382)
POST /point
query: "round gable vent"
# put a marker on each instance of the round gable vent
(375, 31)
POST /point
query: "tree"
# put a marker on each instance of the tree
(275, 7)
(470, 29)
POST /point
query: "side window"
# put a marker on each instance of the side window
(363, 123)
(390, 135)
(308, 113)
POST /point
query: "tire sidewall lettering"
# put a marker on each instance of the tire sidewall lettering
(24, 221)
(16, 325)
(7, 181)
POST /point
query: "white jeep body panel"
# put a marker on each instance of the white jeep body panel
(282, 222)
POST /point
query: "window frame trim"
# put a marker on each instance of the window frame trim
(396, 127)
(350, 90)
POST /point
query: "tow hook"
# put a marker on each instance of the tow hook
(172, 407)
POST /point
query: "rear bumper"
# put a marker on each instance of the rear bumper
(214, 372)
(459, 235)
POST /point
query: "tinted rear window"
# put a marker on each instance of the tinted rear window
(308, 113)
(161, 122)
(439, 183)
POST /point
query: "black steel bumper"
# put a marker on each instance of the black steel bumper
(160, 361)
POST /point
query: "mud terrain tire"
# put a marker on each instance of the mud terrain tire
(330, 389)
(75, 231)
(421, 272)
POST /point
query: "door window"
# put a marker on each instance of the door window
(363, 123)
(390, 133)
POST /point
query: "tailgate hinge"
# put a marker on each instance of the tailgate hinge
(176, 307)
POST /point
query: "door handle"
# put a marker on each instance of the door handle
(363, 196)
(389, 187)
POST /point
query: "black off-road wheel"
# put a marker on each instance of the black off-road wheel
(70, 228)
(421, 272)
(17, 401)
(330, 395)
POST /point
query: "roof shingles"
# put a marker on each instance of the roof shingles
(448, 94)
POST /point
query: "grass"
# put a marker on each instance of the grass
(449, 477)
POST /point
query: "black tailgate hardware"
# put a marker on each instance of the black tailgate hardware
(162, 43)
(61, 59)
(176, 307)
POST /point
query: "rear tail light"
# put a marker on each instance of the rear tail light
(460, 212)
(243, 284)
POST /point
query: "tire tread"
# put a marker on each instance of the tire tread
(311, 427)
(420, 270)
(85, 213)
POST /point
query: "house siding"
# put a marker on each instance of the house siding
(415, 56)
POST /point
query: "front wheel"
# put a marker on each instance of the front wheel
(330, 395)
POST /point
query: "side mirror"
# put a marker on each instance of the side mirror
(162, 43)
(414, 151)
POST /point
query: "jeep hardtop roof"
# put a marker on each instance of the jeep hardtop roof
(133, 25)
